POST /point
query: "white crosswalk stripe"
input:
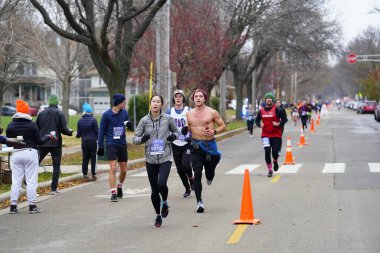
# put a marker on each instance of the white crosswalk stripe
(241, 169)
(328, 168)
(334, 168)
(374, 167)
(289, 168)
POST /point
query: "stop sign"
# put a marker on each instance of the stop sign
(351, 58)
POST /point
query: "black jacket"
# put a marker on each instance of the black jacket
(22, 125)
(52, 119)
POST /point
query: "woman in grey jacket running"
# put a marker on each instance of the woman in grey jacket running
(157, 130)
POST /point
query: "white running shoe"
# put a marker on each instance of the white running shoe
(200, 207)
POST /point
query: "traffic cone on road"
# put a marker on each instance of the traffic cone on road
(289, 154)
(302, 138)
(312, 126)
(318, 119)
(246, 213)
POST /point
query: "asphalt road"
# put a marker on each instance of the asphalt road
(329, 201)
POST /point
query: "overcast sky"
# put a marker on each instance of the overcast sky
(355, 16)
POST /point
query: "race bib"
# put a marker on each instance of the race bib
(265, 142)
(250, 118)
(157, 147)
(303, 113)
(118, 132)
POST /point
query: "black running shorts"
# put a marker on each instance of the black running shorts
(115, 152)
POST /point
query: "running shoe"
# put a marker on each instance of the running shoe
(270, 173)
(158, 221)
(55, 192)
(13, 209)
(187, 193)
(164, 210)
(275, 166)
(34, 209)
(119, 192)
(209, 182)
(113, 198)
(200, 207)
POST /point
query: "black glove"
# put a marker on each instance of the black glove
(171, 138)
(185, 130)
(188, 139)
(100, 151)
(145, 138)
(70, 132)
(129, 125)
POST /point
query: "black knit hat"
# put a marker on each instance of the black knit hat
(118, 99)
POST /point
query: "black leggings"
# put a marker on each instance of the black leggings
(182, 162)
(304, 122)
(250, 124)
(275, 146)
(158, 175)
(199, 158)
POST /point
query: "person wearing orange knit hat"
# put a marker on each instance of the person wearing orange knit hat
(24, 160)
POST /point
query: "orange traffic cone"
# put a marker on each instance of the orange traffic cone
(302, 139)
(246, 213)
(318, 119)
(312, 126)
(289, 154)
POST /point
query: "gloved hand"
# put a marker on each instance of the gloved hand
(53, 138)
(128, 125)
(188, 139)
(100, 151)
(185, 130)
(70, 132)
(3, 139)
(145, 138)
(171, 138)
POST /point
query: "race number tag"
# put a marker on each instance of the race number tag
(250, 118)
(118, 132)
(157, 147)
(303, 113)
(265, 141)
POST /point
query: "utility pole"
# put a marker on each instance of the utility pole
(163, 72)
(222, 105)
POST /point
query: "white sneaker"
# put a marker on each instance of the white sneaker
(251, 136)
(200, 207)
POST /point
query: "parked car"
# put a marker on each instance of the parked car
(367, 107)
(8, 110)
(377, 113)
(71, 111)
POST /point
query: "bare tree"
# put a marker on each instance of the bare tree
(110, 30)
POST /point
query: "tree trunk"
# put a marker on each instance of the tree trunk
(66, 95)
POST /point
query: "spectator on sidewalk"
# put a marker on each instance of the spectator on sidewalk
(87, 129)
(24, 160)
(52, 121)
(112, 128)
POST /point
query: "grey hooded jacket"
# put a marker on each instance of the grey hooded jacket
(159, 128)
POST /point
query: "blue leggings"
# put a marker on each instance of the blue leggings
(158, 175)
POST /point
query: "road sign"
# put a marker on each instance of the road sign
(351, 58)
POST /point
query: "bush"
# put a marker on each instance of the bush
(142, 107)
(214, 103)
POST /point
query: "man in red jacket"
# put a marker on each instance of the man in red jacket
(271, 119)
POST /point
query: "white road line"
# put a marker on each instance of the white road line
(334, 168)
(374, 167)
(289, 168)
(241, 169)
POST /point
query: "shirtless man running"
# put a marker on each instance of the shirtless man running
(204, 152)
